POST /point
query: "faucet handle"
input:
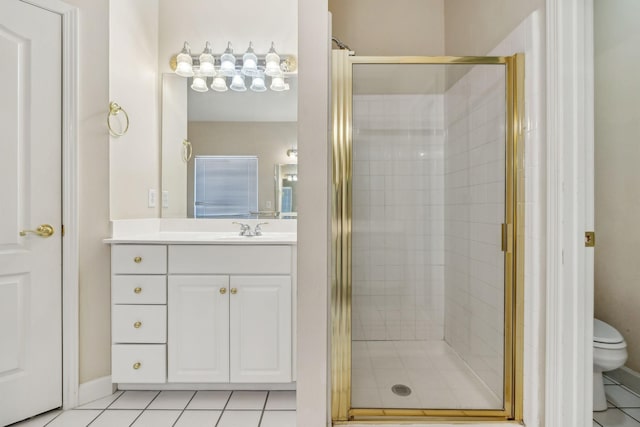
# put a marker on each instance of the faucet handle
(244, 228)
(258, 230)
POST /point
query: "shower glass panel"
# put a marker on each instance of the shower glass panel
(428, 262)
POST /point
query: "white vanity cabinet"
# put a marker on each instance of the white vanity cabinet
(203, 313)
(229, 329)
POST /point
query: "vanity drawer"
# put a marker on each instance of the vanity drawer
(139, 289)
(139, 259)
(139, 324)
(138, 363)
(229, 259)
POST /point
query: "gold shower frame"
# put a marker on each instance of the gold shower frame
(341, 216)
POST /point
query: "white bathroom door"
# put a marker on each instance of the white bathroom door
(30, 199)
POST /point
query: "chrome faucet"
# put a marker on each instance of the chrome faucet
(258, 230)
(245, 229)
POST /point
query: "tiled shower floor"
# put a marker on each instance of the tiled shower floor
(435, 373)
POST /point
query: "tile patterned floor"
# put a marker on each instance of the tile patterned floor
(624, 407)
(178, 409)
(437, 376)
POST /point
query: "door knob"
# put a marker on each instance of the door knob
(234, 291)
(45, 230)
(223, 291)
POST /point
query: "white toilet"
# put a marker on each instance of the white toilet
(609, 353)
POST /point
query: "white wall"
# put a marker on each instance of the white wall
(198, 21)
(474, 211)
(134, 84)
(93, 178)
(378, 27)
(617, 201)
(397, 236)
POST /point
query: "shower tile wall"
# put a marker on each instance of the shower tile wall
(474, 212)
(398, 227)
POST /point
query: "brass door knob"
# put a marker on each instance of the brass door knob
(234, 291)
(137, 325)
(137, 259)
(137, 365)
(137, 290)
(223, 291)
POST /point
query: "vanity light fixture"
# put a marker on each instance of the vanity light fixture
(227, 69)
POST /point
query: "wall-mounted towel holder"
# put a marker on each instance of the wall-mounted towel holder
(114, 110)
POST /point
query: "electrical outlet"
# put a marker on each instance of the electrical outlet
(153, 196)
(165, 198)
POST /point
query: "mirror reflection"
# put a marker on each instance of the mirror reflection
(239, 159)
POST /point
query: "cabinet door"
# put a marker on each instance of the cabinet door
(198, 329)
(260, 329)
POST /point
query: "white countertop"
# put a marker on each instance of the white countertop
(204, 238)
(181, 231)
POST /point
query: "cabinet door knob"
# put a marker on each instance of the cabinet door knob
(223, 291)
(137, 325)
(137, 259)
(137, 365)
(137, 290)
(234, 291)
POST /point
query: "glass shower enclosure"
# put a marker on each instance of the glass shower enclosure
(427, 238)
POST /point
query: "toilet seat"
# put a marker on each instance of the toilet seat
(606, 336)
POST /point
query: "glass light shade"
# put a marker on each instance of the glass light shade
(278, 84)
(272, 59)
(199, 83)
(228, 62)
(219, 84)
(207, 61)
(237, 84)
(257, 83)
(184, 63)
(250, 62)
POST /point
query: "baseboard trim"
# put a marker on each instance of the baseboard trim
(95, 389)
(626, 376)
(208, 386)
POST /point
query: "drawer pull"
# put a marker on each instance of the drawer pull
(234, 291)
(137, 259)
(223, 291)
(137, 325)
(137, 365)
(137, 290)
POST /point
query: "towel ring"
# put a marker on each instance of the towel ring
(187, 151)
(114, 110)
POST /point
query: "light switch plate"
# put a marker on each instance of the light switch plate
(165, 198)
(153, 196)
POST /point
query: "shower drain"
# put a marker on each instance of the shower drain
(401, 390)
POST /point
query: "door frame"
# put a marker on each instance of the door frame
(570, 212)
(69, 156)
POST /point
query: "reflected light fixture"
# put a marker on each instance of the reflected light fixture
(199, 83)
(219, 84)
(237, 83)
(272, 66)
(250, 62)
(278, 84)
(257, 82)
(292, 153)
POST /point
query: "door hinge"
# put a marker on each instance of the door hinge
(589, 239)
(62, 230)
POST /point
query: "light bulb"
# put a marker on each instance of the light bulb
(207, 68)
(228, 62)
(250, 62)
(184, 63)
(272, 59)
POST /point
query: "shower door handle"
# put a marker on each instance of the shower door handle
(507, 238)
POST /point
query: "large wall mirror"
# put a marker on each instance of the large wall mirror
(228, 154)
